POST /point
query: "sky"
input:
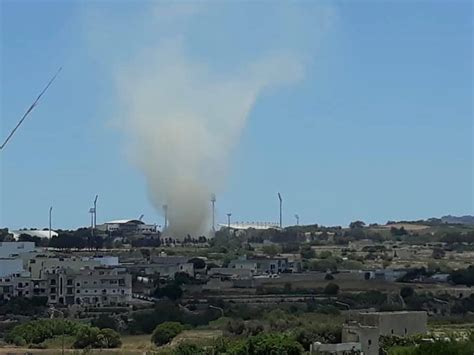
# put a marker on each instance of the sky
(377, 126)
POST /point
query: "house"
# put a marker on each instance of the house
(367, 327)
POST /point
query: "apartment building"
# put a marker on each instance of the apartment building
(100, 286)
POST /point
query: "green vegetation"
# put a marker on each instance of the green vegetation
(165, 332)
(39, 331)
(95, 338)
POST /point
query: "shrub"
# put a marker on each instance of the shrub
(38, 331)
(95, 338)
(331, 289)
(188, 349)
(273, 343)
(165, 332)
(105, 321)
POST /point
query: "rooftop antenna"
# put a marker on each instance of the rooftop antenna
(213, 201)
(33, 105)
(297, 219)
(281, 203)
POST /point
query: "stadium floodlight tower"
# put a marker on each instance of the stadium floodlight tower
(50, 212)
(228, 219)
(95, 211)
(297, 219)
(165, 210)
(281, 205)
(213, 202)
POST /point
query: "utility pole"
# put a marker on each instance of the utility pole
(281, 203)
(213, 201)
(50, 211)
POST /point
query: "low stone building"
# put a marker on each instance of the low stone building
(367, 327)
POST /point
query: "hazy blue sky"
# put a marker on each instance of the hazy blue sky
(379, 127)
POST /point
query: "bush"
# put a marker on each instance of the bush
(331, 289)
(165, 332)
(24, 306)
(105, 321)
(273, 343)
(95, 338)
(38, 331)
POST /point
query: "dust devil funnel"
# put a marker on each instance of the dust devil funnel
(183, 119)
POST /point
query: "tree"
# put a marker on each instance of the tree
(165, 332)
(171, 291)
(198, 263)
(329, 277)
(407, 291)
(105, 321)
(109, 339)
(438, 253)
(95, 338)
(463, 276)
(307, 252)
(356, 224)
(271, 250)
(331, 289)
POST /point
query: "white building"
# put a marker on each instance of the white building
(128, 226)
(8, 249)
(9, 266)
(34, 233)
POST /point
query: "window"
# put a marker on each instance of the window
(78, 284)
(69, 282)
(370, 342)
(52, 282)
(52, 290)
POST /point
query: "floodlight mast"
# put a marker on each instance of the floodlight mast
(95, 211)
(228, 219)
(50, 212)
(165, 210)
(281, 203)
(297, 219)
(213, 201)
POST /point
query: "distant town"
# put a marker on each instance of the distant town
(361, 289)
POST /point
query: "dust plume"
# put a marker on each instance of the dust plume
(183, 107)
(184, 119)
